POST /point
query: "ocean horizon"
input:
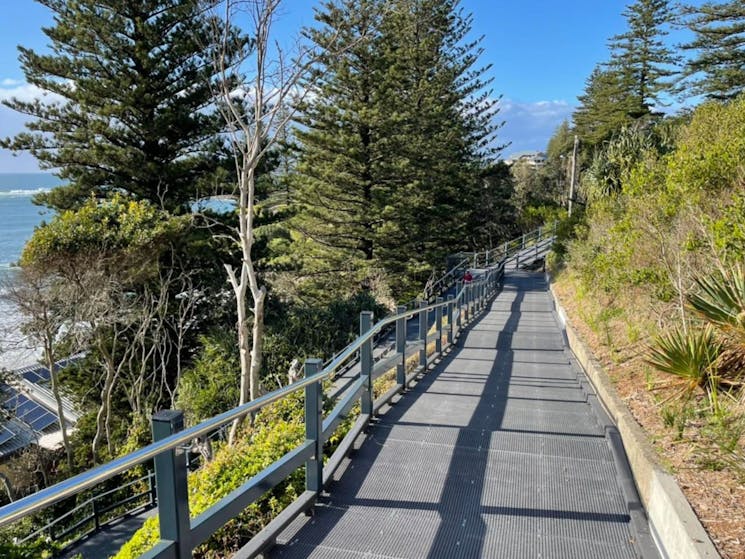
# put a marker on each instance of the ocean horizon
(18, 218)
(18, 215)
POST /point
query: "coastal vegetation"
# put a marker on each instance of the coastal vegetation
(353, 169)
(167, 301)
(651, 267)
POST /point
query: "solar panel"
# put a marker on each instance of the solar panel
(28, 411)
(24, 405)
(10, 403)
(33, 414)
(44, 421)
(32, 376)
(5, 435)
(38, 375)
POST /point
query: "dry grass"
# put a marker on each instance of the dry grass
(688, 441)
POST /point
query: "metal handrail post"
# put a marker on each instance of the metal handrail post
(401, 347)
(471, 301)
(458, 289)
(438, 325)
(314, 427)
(467, 302)
(96, 519)
(151, 488)
(423, 334)
(450, 319)
(366, 362)
(170, 483)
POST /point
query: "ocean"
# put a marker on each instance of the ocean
(18, 217)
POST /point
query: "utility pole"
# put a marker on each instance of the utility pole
(574, 168)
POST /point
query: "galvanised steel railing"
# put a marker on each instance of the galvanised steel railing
(539, 240)
(180, 534)
(96, 512)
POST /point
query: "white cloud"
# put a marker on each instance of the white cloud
(25, 92)
(11, 123)
(529, 125)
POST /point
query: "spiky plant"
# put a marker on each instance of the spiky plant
(689, 356)
(720, 300)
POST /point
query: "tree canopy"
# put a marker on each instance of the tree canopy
(392, 141)
(717, 67)
(132, 89)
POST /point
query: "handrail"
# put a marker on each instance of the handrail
(171, 470)
(85, 480)
(149, 478)
(506, 251)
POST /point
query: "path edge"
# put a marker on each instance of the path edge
(674, 524)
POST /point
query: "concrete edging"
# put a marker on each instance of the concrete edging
(674, 524)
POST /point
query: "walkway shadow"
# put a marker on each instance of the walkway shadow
(451, 506)
(424, 483)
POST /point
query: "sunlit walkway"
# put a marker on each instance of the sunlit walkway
(495, 453)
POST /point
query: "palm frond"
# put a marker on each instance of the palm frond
(691, 355)
(720, 298)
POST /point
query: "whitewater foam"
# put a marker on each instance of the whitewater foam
(22, 192)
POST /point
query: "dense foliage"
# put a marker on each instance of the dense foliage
(660, 253)
(132, 85)
(391, 146)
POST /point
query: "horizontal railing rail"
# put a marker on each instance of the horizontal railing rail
(178, 533)
(505, 252)
(94, 513)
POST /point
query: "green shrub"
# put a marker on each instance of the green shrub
(711, 149)
(688, 355)
(278, 429)
(211, 385)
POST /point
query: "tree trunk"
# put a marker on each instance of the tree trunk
(103, 411)
(58, 399)
(257, 343)
(239, 288)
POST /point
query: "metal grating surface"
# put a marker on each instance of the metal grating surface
(495, 453)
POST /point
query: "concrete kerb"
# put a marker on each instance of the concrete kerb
(676, 527)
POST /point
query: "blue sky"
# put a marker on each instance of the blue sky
(540, 53)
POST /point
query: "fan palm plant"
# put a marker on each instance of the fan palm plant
(690, 356)
(720, 301)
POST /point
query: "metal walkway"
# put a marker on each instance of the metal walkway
(496, 452)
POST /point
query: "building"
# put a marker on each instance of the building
(533, 159)
(29, 410)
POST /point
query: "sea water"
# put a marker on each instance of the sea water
(18, 217)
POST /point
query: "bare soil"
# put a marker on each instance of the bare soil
(712, 483)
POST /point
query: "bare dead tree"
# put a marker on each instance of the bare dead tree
(41, 299)
(256, 111)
